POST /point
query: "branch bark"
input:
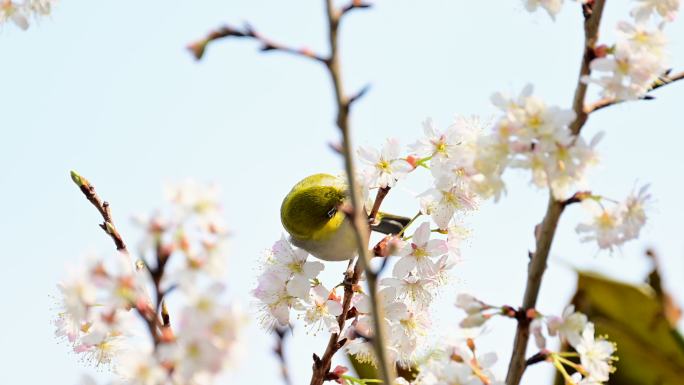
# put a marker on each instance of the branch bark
(661, 82)
(156, 326)
(359, 218)
(592, 21)
(547, 229)
(102, 207)
(199, 47)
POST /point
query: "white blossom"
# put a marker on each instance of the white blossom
(322, 312)
(384, 167)
(292, 261)
(596, 355)
(552, 7)
(14, 12)
(417, 254)
(667, 9)
(570, 325)
(416, 290)
(141, 367)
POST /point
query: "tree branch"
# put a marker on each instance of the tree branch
(359, 218)
(661, 82)
(103, 207)
(198, 48)
(322, 365)
(279, 350)
(546, 230)
(149, 314)
(592, 20)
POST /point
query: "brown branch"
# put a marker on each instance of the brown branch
(355, 4)
(149, 314)
(103, 207)
(382, 193)
(592, 19)
(359, 218)
(198, 48)
(546, 230)
(279, 351)
(661, 82)
(322, 365)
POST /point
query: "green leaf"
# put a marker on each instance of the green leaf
(650, 349)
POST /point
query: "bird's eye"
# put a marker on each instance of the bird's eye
(332, 212)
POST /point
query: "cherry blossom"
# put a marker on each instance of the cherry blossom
(386, 166)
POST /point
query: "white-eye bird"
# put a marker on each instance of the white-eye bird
(310, 214)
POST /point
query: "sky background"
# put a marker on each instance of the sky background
(108, 89)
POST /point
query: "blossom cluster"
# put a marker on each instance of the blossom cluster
(531, 135)
(20, 13)
(552, 7)
(455, 363)
(611, 227)
(466, 164)
(289, 283)
(632, 66)
(100, 300)
(595, 354)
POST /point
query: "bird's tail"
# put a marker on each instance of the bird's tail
(389, 223)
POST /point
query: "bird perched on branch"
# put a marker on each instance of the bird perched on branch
(311, 213)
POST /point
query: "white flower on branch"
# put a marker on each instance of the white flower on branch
(634, 64)
(569, 326)
(534, 136)
(441, 146)
(384, 167)
(456, 364)
(448, 197)
(102, 342)
(20, 12)
(292, 262)
(417, 254)
(667, 9)
(552, 7)
(408, 328)
(274, 301)
(596, 355)
(141, 367)
(323, 310)
(577, 379)
(634, 212)
(209, 337)
(415, 290)
(616, 225)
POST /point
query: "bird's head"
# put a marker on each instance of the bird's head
(310, 209)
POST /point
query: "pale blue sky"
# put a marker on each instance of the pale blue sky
(108, 89)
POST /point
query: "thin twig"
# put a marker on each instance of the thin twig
(359, 218)
(547, 229)
(379, 197)
(279, 350)
(198, 48)
(322, 365)
(592, 19)
(661, 82)
(148, 313)
(103, 207)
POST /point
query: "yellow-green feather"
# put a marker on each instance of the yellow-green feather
(305, 211)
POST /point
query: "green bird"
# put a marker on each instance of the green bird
(311, 215)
